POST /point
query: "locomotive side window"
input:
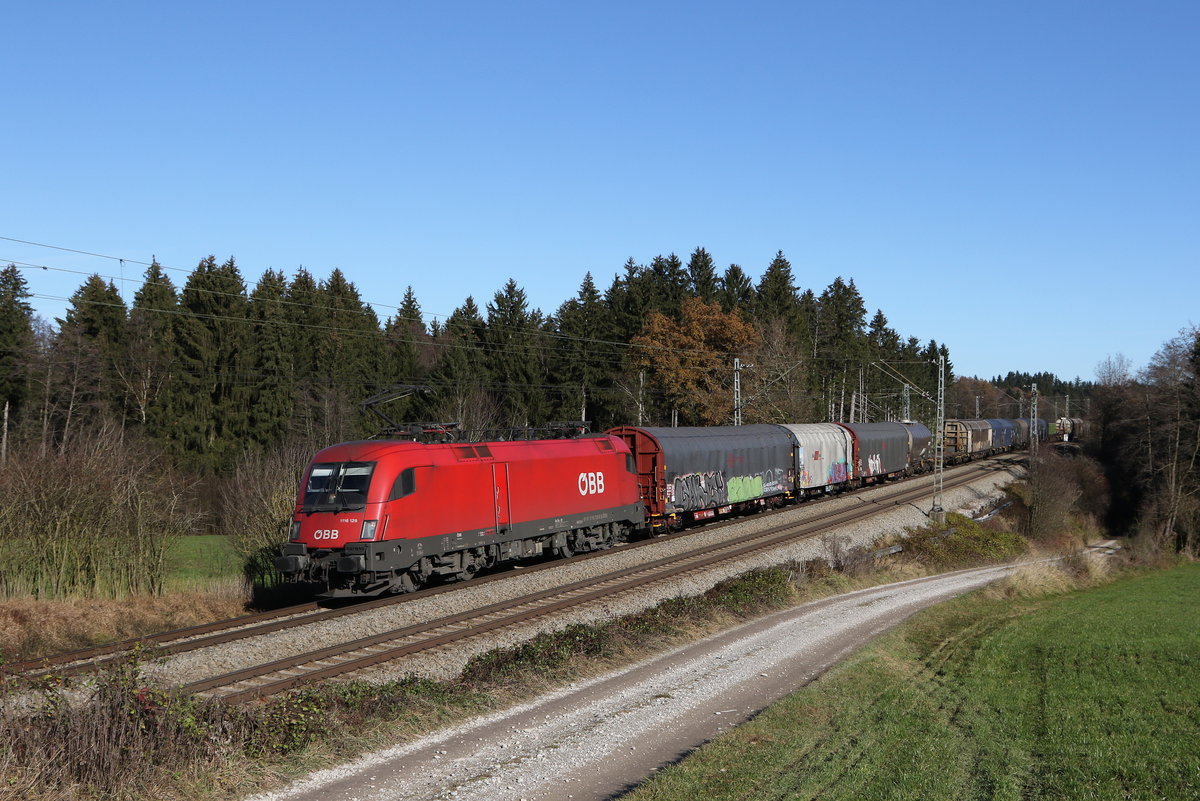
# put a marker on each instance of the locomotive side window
(406, 484)
(337, 486)
(483, 451)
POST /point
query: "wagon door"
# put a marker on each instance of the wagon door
(500, 496)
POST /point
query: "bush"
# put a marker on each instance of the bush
(94, 519)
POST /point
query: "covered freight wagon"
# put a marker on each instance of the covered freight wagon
(919, 437)
(823, 455)
(1020, 432)
(880, 449)
(1071, 429)
(1003, 433)
(692, 473)
(967, 438)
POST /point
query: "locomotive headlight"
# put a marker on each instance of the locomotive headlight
(368, 532)
(295, 533)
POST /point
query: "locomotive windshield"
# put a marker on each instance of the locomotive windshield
(337, 486)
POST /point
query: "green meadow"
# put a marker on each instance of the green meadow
(198, 562)
(1090, 694)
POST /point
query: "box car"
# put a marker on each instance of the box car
(1071, 429)
(967, 438)
(385, 515)
(919, 438)
(1043, 429)
(1020, 432)
(692, 473)
(1003, 433)
(822, 455)
(880, 449)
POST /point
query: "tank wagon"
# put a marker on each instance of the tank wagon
(385, 516)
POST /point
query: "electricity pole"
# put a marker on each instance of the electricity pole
(737, 391)
(1033, 432)
(939, 447)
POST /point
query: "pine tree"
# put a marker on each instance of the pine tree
(270, 360)
(777, 298)
(702, 276)
(514, 359)
(841, 344)
(408, 355)
(208, 406)
(97, 312)
(736, 290)
(668, 284)
(586, 357)
(407, 337)
(16, 341)
(88, 349)
(150, 347)
(350, 360)
(458, 381)
(629, 300)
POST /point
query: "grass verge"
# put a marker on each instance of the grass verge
(199, 561)
(1008, 694)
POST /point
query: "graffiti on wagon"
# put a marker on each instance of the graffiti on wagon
(694, 491)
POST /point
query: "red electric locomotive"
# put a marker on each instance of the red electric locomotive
(385, 516)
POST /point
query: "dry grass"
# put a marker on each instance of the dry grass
(1039, 579)
(31, 629)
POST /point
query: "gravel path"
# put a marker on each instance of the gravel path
(594, 739)
(448, 662)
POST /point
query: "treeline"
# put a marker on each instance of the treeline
(1145, 428)
(215, 368)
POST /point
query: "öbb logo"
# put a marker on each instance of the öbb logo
(591, 483)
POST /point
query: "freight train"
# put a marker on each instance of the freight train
(390, 516)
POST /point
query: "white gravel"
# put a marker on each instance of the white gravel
(449, 661)
(594, 738)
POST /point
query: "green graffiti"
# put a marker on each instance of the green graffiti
(745, 488)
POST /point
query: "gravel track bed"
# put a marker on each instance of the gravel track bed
(447, 662)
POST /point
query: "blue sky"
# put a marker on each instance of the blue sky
(1018, 180)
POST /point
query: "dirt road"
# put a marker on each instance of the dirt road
(594, 739)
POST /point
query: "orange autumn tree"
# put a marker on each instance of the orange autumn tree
(690, 360)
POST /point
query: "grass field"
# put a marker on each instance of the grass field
(198, 562)
(1092, 694)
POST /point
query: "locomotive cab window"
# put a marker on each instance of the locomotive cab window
(337, 486)
(406, 484)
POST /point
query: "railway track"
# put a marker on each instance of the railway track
(280, 675)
